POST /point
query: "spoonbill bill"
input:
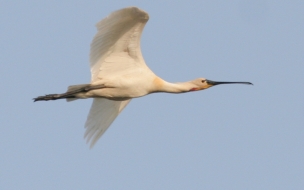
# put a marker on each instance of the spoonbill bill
(119, 72)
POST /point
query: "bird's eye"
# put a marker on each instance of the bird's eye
(203, 81)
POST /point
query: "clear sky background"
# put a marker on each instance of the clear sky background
(227, 137)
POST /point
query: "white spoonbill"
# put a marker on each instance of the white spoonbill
(119, 72)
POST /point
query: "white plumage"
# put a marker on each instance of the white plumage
(115, 51)
(119, 72)
(103, 112)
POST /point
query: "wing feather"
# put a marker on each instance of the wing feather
(115, 51)
(103, 112)
(120, 33)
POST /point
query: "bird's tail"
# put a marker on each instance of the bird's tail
(69, 95)
(75, 88)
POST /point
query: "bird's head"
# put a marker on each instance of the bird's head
(202, 83)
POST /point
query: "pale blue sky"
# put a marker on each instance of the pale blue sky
(227, 137)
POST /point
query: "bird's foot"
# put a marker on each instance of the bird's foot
(47, 97)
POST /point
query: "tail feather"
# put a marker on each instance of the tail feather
(71, 99)
(76, 87)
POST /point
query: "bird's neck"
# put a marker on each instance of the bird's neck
(164, 86)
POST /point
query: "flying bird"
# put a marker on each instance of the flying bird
(119, 72)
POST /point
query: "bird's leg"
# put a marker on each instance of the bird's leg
(68, 94)
(49, 97)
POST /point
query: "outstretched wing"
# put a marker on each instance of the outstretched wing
(114, 49)
(116, 46)
(102, 114)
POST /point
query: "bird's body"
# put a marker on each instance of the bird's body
(119, 72)
(121, 88)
